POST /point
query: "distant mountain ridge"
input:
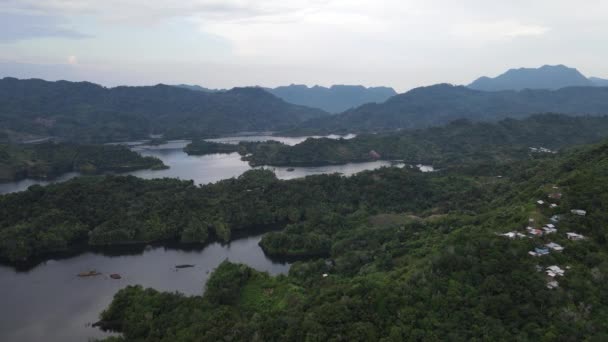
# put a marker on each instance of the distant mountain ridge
(599, 82)
(90, 112)
(442, 103)
(334, 99)
(545, 77)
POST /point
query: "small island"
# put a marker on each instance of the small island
(50, 160)
(202, 147)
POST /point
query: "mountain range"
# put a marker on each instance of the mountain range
(334, 99)
(90, 112)
(545, 77)
(443, 103)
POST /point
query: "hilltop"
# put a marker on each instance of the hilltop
(89, 112)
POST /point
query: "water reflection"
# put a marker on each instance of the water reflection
(50, 303)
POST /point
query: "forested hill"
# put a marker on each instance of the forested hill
(442, 103)
(49, 160)
(457, 143)
(334, 99)
(390, 255)
(91, 112)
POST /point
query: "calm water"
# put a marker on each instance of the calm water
(50, 303)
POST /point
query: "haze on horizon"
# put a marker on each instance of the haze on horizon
(227, 43)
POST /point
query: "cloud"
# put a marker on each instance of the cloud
(15, 27)
(485, 31)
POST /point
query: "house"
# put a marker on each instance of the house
(540, 202)
(555, 218)
(549, 225)
(552, 285)
(574, 236)
(554, 271)
(549, 230)
(535, 232)
(541, 251)
(553, 206)
(578, 212)
(554, 246)
(513, 235)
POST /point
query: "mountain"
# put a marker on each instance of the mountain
(197, 88)
(442, 103)
(89, 112)
(545, 77)
(599, 82)
(335, 99)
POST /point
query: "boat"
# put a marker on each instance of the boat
(92, 273)
(115, 276)
(291, 169)
(184, 266)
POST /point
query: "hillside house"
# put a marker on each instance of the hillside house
(554, 271)
(578, 212)
(554, 246)
(549, 230)
(540, 202)
(534, 231)
(574, 236)
(552, 285)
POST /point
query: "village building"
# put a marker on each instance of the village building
(513, 235)
(552, 285)
(534, 231)
(554, 246)
(553, 206)
(578, 212)
(539, 251)
(540, 202)
(555, 218)
(554, 271)
(574, 236)
(549, 230)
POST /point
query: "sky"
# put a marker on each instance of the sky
(226, 43)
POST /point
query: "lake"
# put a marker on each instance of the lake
(212, 167)
(50, 303)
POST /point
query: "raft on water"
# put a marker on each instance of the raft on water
(89, 274)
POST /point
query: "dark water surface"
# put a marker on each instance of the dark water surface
(50, 303)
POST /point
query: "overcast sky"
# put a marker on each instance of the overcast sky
(226, 43)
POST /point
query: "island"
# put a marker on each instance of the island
(50, 160)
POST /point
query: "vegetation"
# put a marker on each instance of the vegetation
(441, 274)
(49, 160)
(91, 113)
(119, 210)
(389, 255)
(454, 145)
(200, 147)
(397, 277)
